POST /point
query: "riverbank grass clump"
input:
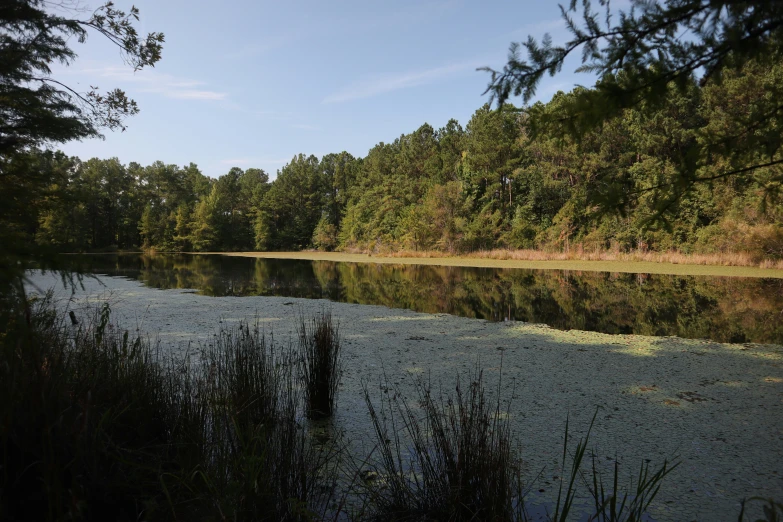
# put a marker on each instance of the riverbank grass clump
(96, 425)
(320, 363)
(454, 457)
(459, 464)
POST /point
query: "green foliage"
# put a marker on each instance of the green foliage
(493, 184)
(647, 54)
(325, 235)
(37, 108)
(39, 190)
(203, 228)
(291, 208)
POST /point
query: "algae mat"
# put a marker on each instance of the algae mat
(717, 408)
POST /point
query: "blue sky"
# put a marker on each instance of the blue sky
(251, 84)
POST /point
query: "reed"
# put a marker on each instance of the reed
(460, 464)
(94, 425)
(320, 363)
(616, 504)
(771, 510)
(452, 458)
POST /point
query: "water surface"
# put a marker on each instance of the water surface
(725, 309)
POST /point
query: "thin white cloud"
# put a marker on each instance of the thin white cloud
(401, 16)
(275, 115)
(385, 83)
(188, 94)
(259, 48)
(151, 81)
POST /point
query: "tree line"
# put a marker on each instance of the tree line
(490, 184)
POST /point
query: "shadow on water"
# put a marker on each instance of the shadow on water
(722, 309)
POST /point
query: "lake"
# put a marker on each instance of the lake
(724, 309)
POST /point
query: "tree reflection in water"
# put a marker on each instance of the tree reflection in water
(725, 309)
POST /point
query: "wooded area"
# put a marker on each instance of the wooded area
(455, 189)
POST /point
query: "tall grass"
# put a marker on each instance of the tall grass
(615, 504)
(94, 426)
(772, 510)
(460, 465)
(579, 254)
(258, 458)
(320, 363)
(452, 458)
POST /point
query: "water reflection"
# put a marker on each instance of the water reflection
(720, 308)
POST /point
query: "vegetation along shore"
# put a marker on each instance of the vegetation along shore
(557, 303)
(713, 407)
(498, 260)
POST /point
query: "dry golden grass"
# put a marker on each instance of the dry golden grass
(675, 258)
(672, 257)
(676, 264)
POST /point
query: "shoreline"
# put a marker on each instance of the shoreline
(715, 407)
(628, 266)
(632, 267)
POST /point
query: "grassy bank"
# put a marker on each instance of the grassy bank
(505, 259)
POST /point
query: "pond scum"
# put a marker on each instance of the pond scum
(96, 425)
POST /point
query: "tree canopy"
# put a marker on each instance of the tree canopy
(490, 184)
(640, 56)
(703, 153)
(37, 109)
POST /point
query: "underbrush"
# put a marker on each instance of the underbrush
(96, 426)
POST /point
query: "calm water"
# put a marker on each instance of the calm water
(726, 309)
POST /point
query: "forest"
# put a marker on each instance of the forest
(497, 182)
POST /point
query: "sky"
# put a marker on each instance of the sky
(253, 83)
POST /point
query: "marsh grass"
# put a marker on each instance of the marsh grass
(95, 426)
(611, 504)
(631, 504)
(320, 363)
(772, 511)
(83, 414)
(652, 263)
(738, 259)
(258, 459)
(453, 458)
(459, 466)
